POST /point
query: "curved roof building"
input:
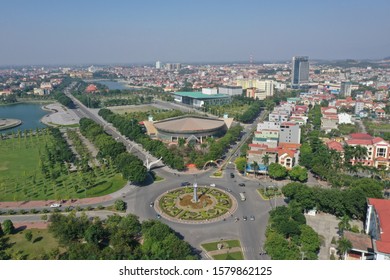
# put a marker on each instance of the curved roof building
(188, 127)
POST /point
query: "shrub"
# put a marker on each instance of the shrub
(120, 205)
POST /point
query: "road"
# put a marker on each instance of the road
(250, 233)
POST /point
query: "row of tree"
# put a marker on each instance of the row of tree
(117, 238)
(130, 166)
(288, 237)
(132, 130)
(351, 202)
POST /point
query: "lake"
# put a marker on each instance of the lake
(28, 113)
(112, 84)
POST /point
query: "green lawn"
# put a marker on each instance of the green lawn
(21, 178)
(19, 156)
(131, 109)
(229, 256)
(41, 244)
(213, 245)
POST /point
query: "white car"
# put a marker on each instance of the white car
(212, 185)
(55, 205)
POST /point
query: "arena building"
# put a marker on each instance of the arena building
(190, 128)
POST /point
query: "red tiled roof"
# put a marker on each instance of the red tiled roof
(382, 207)
(360, 136)
(334, 145)
(377, 140)
(289, 146)
(258, 145)
(290, 153)
(359, 142)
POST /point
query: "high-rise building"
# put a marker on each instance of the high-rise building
(345, 89)
(158, 64)
(267, 86)
(300, 70)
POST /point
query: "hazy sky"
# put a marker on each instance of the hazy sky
(78, 32)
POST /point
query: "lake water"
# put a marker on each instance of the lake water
(111, 84)
(28, 113)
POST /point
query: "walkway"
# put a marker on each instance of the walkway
(74, 202)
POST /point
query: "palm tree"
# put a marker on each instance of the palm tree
(360, 152)
(265, 160)
(344, 223)
(255, 167)
(343, 246)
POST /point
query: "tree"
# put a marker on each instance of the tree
(1, 231)
(310, 242)
(240, 164)
(265, 159)
(8, 227)
(277, 171)
(28, 235)
(298, 173)
(120, 205)
(343, 246)
(255, 167)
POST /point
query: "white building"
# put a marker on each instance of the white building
(359, 106)
(210, 91)
(230, 90)
(345, 118)
(267, 86)
(158, 64)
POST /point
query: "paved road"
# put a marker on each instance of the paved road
(138, 198)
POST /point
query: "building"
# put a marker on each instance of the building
(289, 133)
(266, 86)
(158, 64)
(199, 99)
(345, 118)
(378, 150)
(210, 91)
(359, 106)
(91, 88)
(345, 89)
(230, 90)
(190, 128)
(378, 227)
(300, 70)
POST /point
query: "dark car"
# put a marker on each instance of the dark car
(245, 218)
(158, 216)
(185, 184)
(241, 184)
(231, 175)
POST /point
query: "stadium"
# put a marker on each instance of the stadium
(190, 128)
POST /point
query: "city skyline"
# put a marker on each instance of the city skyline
(99, 32)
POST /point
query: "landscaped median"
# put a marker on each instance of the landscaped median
(269, 193)
(224, 250)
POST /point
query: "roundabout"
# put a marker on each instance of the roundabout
(194, 204)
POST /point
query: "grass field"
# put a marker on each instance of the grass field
(214, 245)
(131, 109)
(21, 178)
(41, 244)
(229, 256)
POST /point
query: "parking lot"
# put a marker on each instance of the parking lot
(327, 226)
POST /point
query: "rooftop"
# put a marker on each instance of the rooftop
(189, 124)
(382, 208)
(199, 95)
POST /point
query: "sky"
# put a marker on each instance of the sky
(188, 31)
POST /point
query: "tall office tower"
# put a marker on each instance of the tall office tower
(300, 70)
(345, 89)
(158, 64)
